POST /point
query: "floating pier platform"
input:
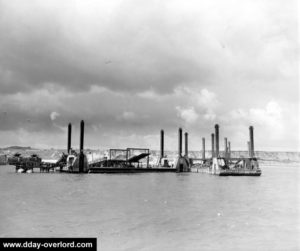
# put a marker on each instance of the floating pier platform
(226, 165)
(136, 160)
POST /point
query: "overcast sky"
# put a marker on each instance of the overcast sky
(130, 68)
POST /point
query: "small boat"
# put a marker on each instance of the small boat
(29, 171)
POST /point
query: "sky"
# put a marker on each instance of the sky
(130, 68)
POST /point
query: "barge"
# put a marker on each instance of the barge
(232, 167)
(118, 161)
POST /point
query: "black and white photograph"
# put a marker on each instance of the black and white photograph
(150, 125)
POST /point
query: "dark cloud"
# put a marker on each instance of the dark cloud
(144, 50)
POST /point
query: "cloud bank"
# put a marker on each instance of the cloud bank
(130, 68)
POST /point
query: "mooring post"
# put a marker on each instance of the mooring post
(162, 144)
(81, 156)
(225, 148)
(69, 137)
(217, 139)
(186, 148)
(251, 141)
(203, 148)
(179, 142)
(212, 145)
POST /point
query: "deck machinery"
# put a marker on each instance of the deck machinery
(25, 164)
(123, 160)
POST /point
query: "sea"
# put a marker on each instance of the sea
(156, 211)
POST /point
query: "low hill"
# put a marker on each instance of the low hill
(23, 148)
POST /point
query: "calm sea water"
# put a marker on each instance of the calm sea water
(169, 211)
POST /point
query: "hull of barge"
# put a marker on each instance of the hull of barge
(229, 172)
(239, 173)
(130, 170)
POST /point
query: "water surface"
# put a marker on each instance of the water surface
(158, 211)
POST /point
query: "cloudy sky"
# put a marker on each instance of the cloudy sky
(132, 67)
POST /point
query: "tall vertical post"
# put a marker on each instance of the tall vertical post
(186, 148)
(212, 145)
(69, 137)
(251, 141)
(217, 139)
(249, 148)
(179, 142)
(203, 148)
(225, 148)
(81, 136)
(162, 144)
(81, 156)
(229, 149)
